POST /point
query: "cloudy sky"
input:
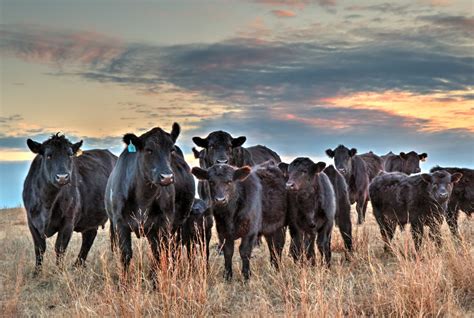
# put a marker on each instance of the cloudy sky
(297, 76)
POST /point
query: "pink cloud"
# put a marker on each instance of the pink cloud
(283, 13)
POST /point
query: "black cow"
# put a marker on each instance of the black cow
(197, 228)
(398, 199)
(354, 169)
(64, 192)
(150, 191)
(247, 203)
(462, 197)
(312, 208)
(374, 164)
(407, 163)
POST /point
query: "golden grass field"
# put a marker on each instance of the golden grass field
(433, 283)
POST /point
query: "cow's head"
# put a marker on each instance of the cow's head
(219, 147)
(301, 173)
(411, 161)
(57, 158)
(342, 158)
(440, 184)
(154, 150)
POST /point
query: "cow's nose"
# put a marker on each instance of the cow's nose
(166, 179)
(312, 225)
(342, 170)
(220, 200)
(62, 178)
(290, 185)
(222, 161)
(443, 195)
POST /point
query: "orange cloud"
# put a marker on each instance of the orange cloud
(283, 13)
(440, 110)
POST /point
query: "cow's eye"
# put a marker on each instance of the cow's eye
(149, 151)
(228, 182)
(49, 157)
(211, 183)
(211, 147)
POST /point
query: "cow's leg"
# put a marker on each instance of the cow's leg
(296, 243)
(360, 203)
(154, 241)
(245, 250)
(324, 244)
(88, 238)
(113, 237)
(435, 232)
(39, 242)
(452, 220)
(387, 230)
(364, 208)
(228, 253)
(125, 245)
(345, 228)
(417, 233)
(276, 242)
(309, 240)
(62, 241)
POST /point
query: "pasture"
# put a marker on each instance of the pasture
(432, 283)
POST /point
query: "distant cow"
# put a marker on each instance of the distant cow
(398, 199)
(312, 208)
(408, 163)
(150, 191)
(64, 192)
(247, 203)
(462, 197)
(374, 164)
(197, 228)
(354, 169)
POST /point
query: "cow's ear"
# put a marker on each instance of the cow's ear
(352, 152)
(132, 138)
(196, 153)
(330, 153)
(423, 156)
(317, 167)
(203, 143)
(242, 173)
(200, 173)
(34, 146)
(284, 168)
(426, 177)
(403, 155)
(239, 141)
(75, 147)
(455, 177)
(175, 130)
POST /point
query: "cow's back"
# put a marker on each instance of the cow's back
(261, 154)
(373, 163)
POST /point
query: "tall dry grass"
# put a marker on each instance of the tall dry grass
(432, 283)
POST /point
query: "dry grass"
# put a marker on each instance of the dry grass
(434, 283)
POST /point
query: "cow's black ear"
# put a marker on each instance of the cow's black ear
(317, 167)
(203, 143)
(352, 152)
(403, 155)
(239, 141)
(426, 177)
(132, 138)
(423, 156)
(200, 173)
(242, 173)
(455, 177)
(196, 153)
(34, 146)
(330, 153)
(75, 147)
(284, 168)
(175, 130)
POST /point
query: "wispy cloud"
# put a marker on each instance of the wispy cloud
(283, 13)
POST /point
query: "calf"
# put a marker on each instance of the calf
(462, 197)
(247, 203)
(197, 228)
(312, 208)
(355, 171)
(64, 192)
(407, 163)
(419, 200)
(150, 191)
(374, 164)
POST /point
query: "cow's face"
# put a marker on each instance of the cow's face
(466, 188)
(58, 158)
(155, 149)
(301, 173)
(440, 184)
(342, 158)
(223, 181)
(219, 147)
(411, 161)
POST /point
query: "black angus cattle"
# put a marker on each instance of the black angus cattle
(355, 171)
(407, 163)
(398, 199)
(312, 209)
(64, 192)
(374, 164)
(247, 203)
(150, 191)
(462, 197)
(197, 228)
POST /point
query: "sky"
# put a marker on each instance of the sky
(296, 76)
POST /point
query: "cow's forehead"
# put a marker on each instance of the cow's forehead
(219, 137)
(301, 163)
(221, 171)
(441, 177)
(341, 150)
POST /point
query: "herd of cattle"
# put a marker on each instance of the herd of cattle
(248, 191)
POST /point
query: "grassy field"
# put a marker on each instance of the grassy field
(433, 283)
